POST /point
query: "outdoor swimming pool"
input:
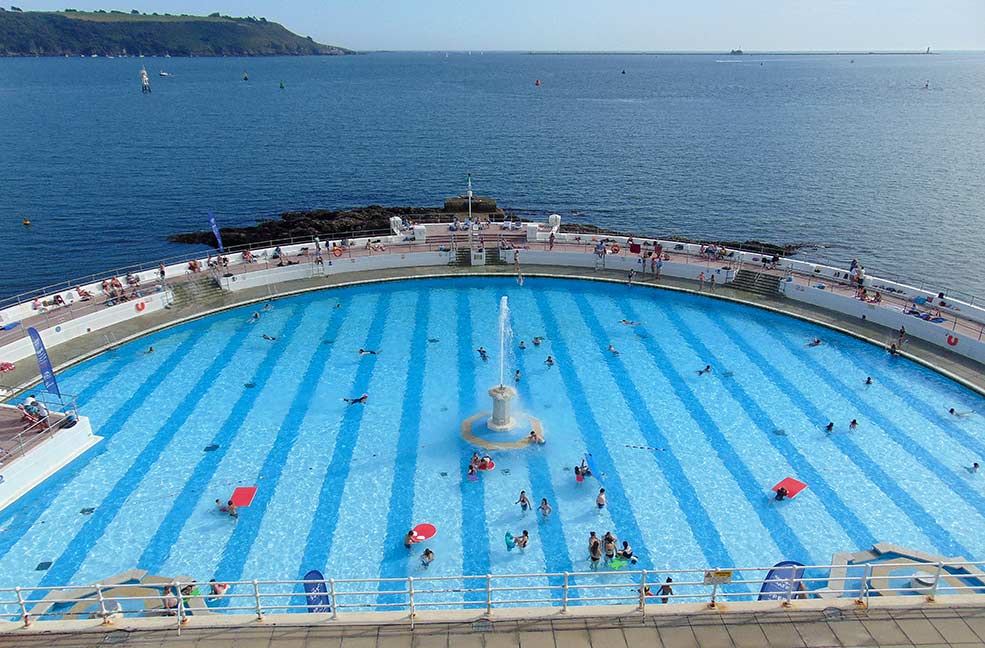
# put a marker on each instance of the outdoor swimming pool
(687, 459)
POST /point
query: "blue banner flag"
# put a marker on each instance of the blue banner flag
(215, 230)
(44, 363)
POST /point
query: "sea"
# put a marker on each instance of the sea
(876, 157)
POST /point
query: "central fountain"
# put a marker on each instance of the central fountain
(501, 420)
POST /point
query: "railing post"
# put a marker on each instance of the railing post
(256, 599)
(488, 594)
(937, 580)
(102, 604)
(863, 593)
(714, 592)
(564, 594)
(181, 605)
(643, 593)
(20, 601)
(793, 572)
(331, 595)
(410, 593)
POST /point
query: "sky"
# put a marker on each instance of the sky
(602, 25)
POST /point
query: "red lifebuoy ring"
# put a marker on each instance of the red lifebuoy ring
(337, 251)
(615, 248)
(952, 340)
(140, 306)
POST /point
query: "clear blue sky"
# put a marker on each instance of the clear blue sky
(602, 24)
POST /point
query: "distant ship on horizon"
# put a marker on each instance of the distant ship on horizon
(736, 51)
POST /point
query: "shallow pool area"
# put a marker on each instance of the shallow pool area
(687, 459)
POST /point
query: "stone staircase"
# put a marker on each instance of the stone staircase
(196, 291)
(758, 283)
(493, 258)
(463, 257)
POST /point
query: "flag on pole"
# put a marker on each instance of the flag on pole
(215, 230)
(44, 362)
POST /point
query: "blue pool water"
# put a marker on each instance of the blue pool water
(687, 459)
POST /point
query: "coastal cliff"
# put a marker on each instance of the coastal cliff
(79, 33)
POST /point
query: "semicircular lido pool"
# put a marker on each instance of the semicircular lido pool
(687, 460)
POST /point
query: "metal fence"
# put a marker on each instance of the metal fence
(639, 590)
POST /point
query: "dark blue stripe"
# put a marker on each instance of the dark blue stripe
(394, 563)
(27, 510)
(66, 565)
(854, 527)
(555, 546)
(923, 520)
(702, 527)
(158, 550)
(590, 430)
(322, 531)
(475, 533)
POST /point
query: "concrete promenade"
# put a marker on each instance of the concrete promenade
(936, 626)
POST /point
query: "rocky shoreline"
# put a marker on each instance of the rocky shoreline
(376, 219)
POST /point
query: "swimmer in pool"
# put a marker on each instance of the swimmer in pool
(893, 351)
(410, 539)
(594, 550)
(268, 306)
(255, 318)
(829, 428)
(222, 507)
(483, 354)
(585, 470)
(516, 376)
(484, 463)
(216, 588)
(815, 342)
(626, 552)
(523, 345)
(472, 474)
(853, 424)
(231, 509)
(578, 476)
(974, 468)
(666, 590)
(361, 400)
(149, 351)
(338, 306)
(524, 501)
(269, 337)
(545, 508)
(427, 558)
(474, 461)
(781, 494)
(534, 437)
(364, 352)
(538, 340)
(704, 371)
(954, 412)
(600, 501)
(868, 380)
(609, 546)
(521, 540)
(550, 361)
(612, 350)
(626, 322)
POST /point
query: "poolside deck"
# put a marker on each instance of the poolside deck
(939, 627)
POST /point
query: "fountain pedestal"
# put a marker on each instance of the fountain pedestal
(501, 420)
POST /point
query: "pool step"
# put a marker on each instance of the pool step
(463, 257)
(759, 283)
(195, 291)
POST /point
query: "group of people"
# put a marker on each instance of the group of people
(170, 594)
(608, 549)
(228, 508)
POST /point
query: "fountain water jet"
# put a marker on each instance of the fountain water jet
(501, 420)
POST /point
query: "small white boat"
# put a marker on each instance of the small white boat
(164, 74)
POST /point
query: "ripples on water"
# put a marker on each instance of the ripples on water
(856, 157)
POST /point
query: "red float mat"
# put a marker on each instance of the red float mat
(792, 485)
(489, 466)
(424, 532)
(243, 496)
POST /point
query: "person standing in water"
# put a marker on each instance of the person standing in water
(545, 508)
(600, 501)
(524, 501)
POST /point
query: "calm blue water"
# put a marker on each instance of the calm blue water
(854, 156)
(687, 459)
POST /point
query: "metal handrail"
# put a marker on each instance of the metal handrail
(638, 588)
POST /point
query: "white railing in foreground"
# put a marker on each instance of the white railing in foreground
(640, 590)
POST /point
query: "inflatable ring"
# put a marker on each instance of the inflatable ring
(140, 306)
(615, 248)
(337, 251)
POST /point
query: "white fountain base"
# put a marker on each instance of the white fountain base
(501, 420)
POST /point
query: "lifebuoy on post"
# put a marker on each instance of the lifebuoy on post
(337, 251)
(140, 306)
(952, 340)
(615, 248)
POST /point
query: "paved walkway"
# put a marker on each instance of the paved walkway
(928, 627)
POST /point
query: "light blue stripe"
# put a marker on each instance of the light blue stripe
(854, 528)
(323, 524)
(393, 563)
(924, 521)
(475, 533)
(75, 553)
(158, 550)
(52, 489)
(591, 432)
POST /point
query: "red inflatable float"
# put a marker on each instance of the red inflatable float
(424, 532)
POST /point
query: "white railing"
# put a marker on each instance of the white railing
(639, 590)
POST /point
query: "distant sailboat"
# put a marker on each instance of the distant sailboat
(144, 81)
